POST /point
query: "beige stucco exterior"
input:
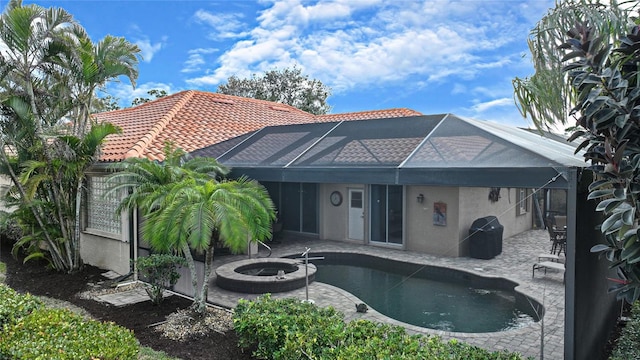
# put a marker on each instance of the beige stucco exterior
(463, 206)
(107, 251)
(334, 220)
(420, 232)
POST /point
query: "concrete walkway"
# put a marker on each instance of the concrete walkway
(515, 263)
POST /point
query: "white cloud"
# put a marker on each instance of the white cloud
(147, 49)
(224, 25)
(377, 42)
(197, 59)
(458, 89)
(488, 105)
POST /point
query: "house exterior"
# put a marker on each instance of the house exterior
(391, 178)
(190, 120)
(415, 183)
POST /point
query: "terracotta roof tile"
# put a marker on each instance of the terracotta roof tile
(368, 115)
(196, 119)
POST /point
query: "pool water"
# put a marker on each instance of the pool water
(450, 306)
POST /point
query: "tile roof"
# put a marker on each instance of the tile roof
(196, 119)
(368, 115)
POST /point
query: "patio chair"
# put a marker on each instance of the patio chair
(558, 238)
(548, 265)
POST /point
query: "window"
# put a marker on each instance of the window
(101, 209)
(522, 206)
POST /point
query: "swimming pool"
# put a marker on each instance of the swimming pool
(432, 297)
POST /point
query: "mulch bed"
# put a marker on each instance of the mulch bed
(33, 277)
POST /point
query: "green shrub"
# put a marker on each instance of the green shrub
(14, 306)
(61, 334)
(161, 272)
(291, 329)
(9, 227)
(628, 345)
(278, 327)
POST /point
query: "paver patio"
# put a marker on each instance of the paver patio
(519, 254)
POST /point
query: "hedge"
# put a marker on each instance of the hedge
(628, 344)
(289, 329)
(63, 335)
(14, 306)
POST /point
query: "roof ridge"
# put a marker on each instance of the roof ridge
(249, 99)
(373, 111)
(138, 148)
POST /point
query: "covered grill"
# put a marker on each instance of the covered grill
(485, 238)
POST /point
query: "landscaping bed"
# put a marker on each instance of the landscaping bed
(34, 278)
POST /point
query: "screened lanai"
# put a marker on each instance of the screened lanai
(435, 149)
(422, 161)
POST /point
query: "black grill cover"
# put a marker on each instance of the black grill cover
(485, 236)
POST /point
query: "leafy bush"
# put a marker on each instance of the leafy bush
(14, 306)
(9, 227)
(291, 329)
(61, 334)
(278, 327)
(628, 345)
(161, 271)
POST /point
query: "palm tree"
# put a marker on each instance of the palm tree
(232, 211)
(30, 36)
(69, 159)
(186, 204)
(49, 72)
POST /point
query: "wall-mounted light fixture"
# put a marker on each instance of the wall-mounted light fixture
(420, 198)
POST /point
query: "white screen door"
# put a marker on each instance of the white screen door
(356, 214)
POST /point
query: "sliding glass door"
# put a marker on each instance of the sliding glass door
(386, 214)
(299, 207)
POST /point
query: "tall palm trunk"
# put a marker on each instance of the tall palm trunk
(68, 263)
(208, 260)
(194, 274)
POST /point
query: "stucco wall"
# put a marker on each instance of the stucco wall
(475, 203)
(464, 205)
(107, 250)
(334, 220)
(105, 253)
(420, 232)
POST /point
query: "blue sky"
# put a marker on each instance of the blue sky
(431, 56)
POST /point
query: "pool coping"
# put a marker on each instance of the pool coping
(424, 330)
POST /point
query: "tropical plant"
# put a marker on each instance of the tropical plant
(49, 73)
(600, 78)
(608, 116)
(286, 86)
(161, 272)
(186, 206)
(545, 97)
